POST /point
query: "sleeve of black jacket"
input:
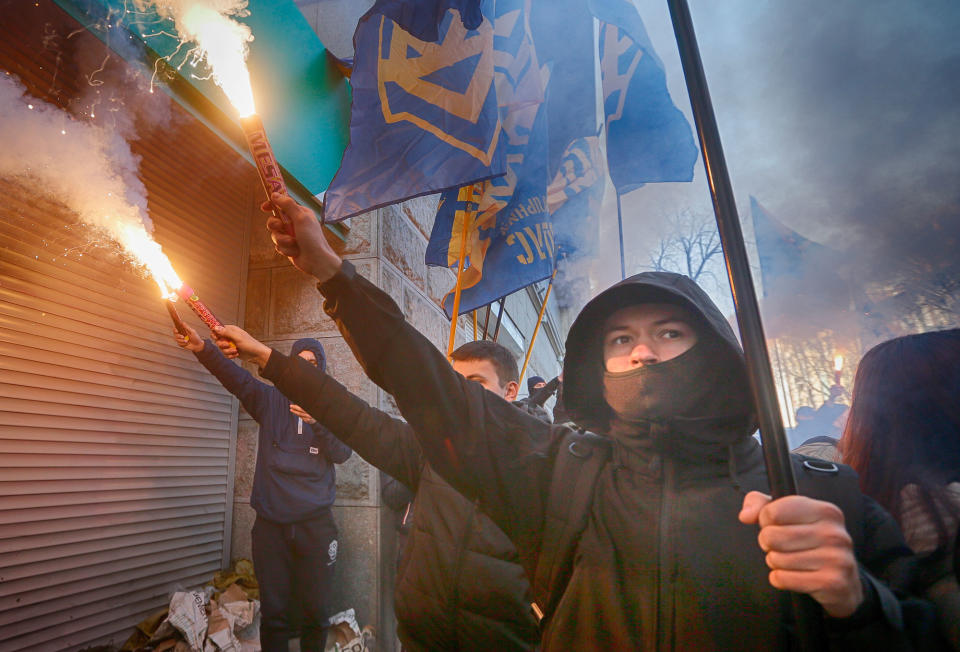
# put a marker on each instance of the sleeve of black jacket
(890, 617)
(481, 444)
(383, 441)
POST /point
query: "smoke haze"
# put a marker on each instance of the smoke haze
(842, 119)
(88, 168)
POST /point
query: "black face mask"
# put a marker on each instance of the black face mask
(704, 381)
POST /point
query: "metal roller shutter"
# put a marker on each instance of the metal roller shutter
(116, 447)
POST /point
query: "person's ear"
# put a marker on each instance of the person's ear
(511, 391)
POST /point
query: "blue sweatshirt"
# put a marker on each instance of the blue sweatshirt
(294, 478)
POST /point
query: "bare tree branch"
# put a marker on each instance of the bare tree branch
(691, 247)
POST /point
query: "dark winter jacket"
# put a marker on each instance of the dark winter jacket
(294, 479)
(692, 577)
(460, 585)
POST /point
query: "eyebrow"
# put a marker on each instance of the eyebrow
(659, 322)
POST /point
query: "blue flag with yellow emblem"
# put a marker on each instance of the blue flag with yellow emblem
(648, 138)
(424, 115)
(507, 248)
(574, 197)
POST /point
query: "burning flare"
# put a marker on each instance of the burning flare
(89, 169)
(221, 40)
(224, 44)
(838, 362)
(145, 250)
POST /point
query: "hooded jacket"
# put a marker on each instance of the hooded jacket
(294, 479)
(663, 562)
(460, 585)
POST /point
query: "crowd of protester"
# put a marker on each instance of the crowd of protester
(638, 515)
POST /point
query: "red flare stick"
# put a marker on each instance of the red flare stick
(187, 294)
(175, 316)
(267, 166)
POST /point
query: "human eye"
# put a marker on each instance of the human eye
(672, 333)
(618, 340)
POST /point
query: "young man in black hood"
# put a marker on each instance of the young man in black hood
(645, 537)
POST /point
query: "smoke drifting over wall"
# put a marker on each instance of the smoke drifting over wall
(88, 168)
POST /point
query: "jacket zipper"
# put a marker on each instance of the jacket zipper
(455, 602)
(665, 583)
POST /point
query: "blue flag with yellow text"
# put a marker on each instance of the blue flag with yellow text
(424, 115)
(507, 249)
(648, 138)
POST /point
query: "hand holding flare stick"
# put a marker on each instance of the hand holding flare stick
(267, 166)
(175, 316)
(187, 294)
(193, 301)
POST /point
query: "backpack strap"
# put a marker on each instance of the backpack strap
(833, 483)
(577, 464)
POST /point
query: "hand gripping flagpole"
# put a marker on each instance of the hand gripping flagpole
(467, 223)
(776, 452)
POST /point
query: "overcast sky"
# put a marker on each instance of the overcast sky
(841, 117)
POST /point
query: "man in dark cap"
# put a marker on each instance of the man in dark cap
(294, 537)
(534, 383)
(657, 533)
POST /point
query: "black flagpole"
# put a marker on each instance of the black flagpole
(776, 452)
(496, 329)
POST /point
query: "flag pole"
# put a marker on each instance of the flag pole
(536, 329)
(486, 319)
(776, 452)
(775, 449)
(467, 218)
(623, 269)
(496, 329)
(474, 324)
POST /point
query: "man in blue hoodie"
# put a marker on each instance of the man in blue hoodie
(294, 485)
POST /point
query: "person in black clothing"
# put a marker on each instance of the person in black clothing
(540, 391)
(460, 585)
(645, 537)
(294, 537)
(399, 499)
(534, 383)
(903, 439)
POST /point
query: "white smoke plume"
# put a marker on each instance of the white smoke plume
(88, 168)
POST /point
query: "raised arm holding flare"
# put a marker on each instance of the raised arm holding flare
(460, 585)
